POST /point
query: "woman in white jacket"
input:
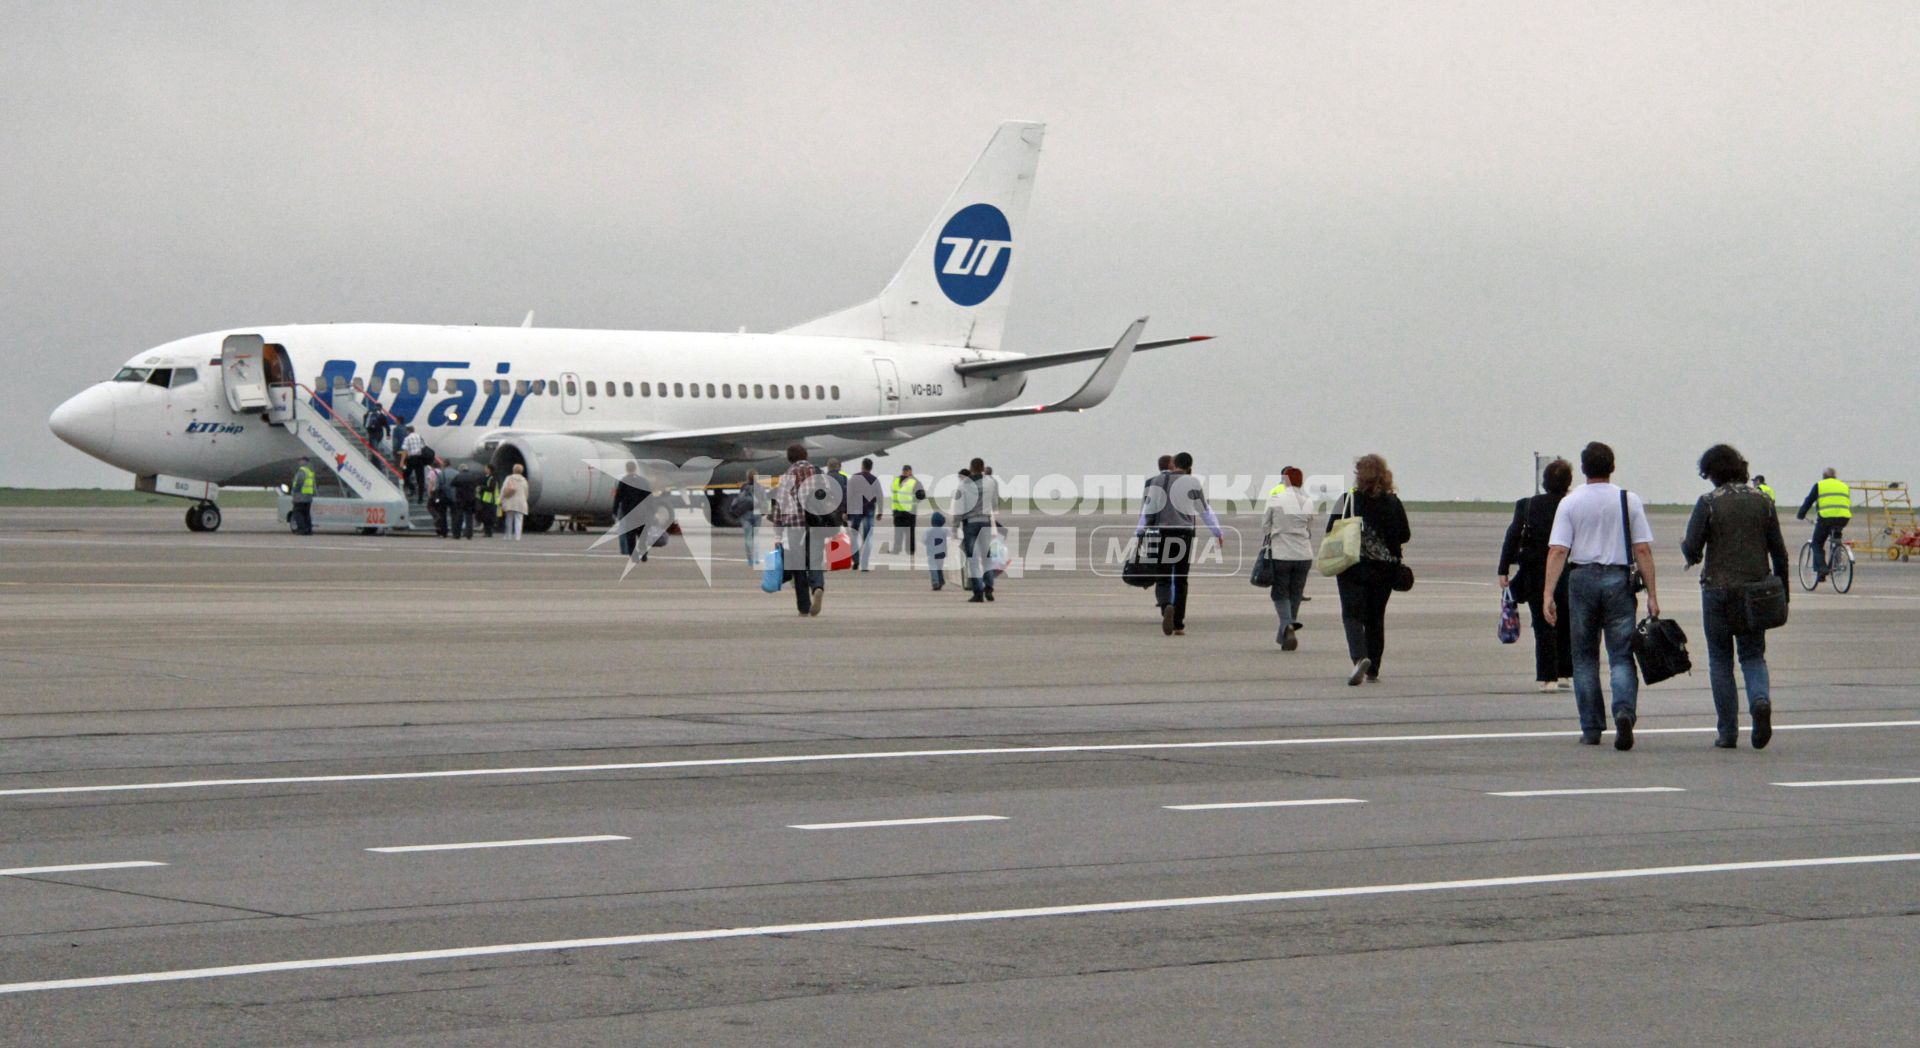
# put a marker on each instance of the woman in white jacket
(1288, 530)
(513, 500)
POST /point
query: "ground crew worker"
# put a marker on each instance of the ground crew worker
(1761, 483)
(489, 501)
(302, 491)
(907, 493)
(1832, 501)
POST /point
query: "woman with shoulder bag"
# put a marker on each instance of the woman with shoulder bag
(1736, 530)
(1366, 587)
(1526, 546)
(1288, 530)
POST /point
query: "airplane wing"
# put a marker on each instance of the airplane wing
(739, 441)
(996, 368)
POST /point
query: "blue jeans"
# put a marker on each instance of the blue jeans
(862, 525)
(1289, 585)
(979, 579)
(1720, 644)
(804, 550)
(749, 530)
(1602, 603)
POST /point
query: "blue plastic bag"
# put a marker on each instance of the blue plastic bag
(774, 575)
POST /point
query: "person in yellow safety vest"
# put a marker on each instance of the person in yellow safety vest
(1832, 502)
(489, 502)
(1761, 483)
(907, 494)
(302, 491)
(1277, 489)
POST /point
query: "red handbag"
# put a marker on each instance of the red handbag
(839, 553)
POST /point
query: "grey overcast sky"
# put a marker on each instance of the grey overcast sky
(1451, 233)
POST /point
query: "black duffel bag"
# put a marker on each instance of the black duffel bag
(1660, 647)
(1757, 607)
(1143, 567)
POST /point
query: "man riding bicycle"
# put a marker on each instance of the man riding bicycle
(1832, 500)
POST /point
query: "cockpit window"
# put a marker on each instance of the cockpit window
(184, 376)
(132, 375)
(160, 377)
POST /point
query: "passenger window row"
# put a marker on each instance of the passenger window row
(551, 387)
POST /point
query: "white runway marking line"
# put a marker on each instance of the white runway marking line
(1586, 792)
(28, 871)
(1855, 782)
(527, 843)
(915, 920)
(1263, 804)
(895, 822)
(812, 758)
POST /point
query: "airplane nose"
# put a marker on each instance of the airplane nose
(86, 421)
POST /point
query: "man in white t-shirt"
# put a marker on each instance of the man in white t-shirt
(1590, 539)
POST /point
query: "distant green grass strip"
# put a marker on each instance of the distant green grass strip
(100, 498)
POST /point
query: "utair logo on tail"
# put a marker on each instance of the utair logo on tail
(973, 254)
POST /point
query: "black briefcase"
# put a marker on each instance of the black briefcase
(1660, 647)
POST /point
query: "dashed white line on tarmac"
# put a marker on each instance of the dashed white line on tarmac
(813, 758)
(1587, 792)
(1855, 782)
(1264, 804)
(924, 919)
(526, 843)
(27, 871)
(895, 822)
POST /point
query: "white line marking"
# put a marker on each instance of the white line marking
(1854, 782)
(1263, 804)
(809, 758)
(709, 934)
(25, 871)
(1589, 792)
(895, 822)
(529, 842)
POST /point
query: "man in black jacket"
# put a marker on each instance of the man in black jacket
(466, 490)
(627, 497)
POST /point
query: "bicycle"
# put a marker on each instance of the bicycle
(1839, 565)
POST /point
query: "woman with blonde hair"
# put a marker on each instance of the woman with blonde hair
(513, 500)
(1366, 587)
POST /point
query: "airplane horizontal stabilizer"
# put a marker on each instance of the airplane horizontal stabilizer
(1010, 365)
(730, 441)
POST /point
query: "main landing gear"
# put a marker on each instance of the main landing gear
(204, 516)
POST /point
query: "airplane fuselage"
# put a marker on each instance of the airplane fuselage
(463, 388)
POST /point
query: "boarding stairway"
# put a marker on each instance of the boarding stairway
(373, 494)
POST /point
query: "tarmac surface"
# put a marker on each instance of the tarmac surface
(232, 765)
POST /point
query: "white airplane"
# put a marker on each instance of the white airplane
(240, 407)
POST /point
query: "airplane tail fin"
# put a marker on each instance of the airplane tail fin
(953, 289)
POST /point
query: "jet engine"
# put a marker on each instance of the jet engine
(565, 474)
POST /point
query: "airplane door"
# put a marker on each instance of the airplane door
(570, 393)
(243, 372)
(889, 377)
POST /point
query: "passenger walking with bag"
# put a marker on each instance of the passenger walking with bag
(1600, 537)
(1367, 585)
(1174, 504)
(1287, 527)
(1743, 589)
(1526, 546)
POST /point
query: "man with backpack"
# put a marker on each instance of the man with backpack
(1600, 534)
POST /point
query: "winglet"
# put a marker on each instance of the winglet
(528, 322)
(1107, 375)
